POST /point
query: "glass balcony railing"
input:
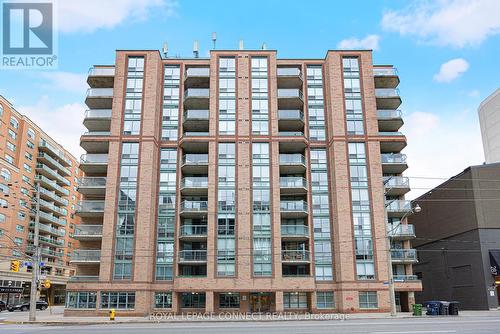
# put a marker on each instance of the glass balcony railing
(97, 133)
(51, 218)
(294, 230)
(398, 206)
(396, 182)
(293, 206)
(196, 134)
(194, 182)
(383, 114)
(86, 255)
(94, 159)
(404, 254)
(88, 230)
(193, 230)
(203, 93)
(196, 114)
(405, 278)
(43, 144)
(46, 228)
(54, 162)
(194, 206)
(92, 182)
(91, 206)
(401, 231)
(198, 72)
(291, 133)
(289, 72)
(98, 113)
(195, 159)
(52, 207)
(293, 182)
(52, 241)
(292, 159)
(80, 278)
(100, 93)
(192, 255)
(53, 173)
(294, 255)
(290, 93)
(101, 71)
(50, 252)
(386, 92)
(53, 196)
(290, 115)
(46, 182)
(391, 158)
(385, 71)
(390, 133)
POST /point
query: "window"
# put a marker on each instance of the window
(4, 189)
(2, 218)
(192, 300)
(294, 300)
(1, 110)
(368, 299)
(9, 158)
(12, 134)
(118, 300)
(19, 228)
(325, 299)
(81, 299)
(11, 146)
(31, 133)
(229, 300)
(14, 123)
(5, 174)
(163, 300)
(28, 156)
(1, 232)
(16, 253)
(18, 241)
(27, 168)
(30, 144)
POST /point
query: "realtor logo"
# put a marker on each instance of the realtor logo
(28, 35)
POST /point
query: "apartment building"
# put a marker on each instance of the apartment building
(29, 156)
(242, 182)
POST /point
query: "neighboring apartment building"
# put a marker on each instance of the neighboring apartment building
(459, 239)
(28, 155)
(241, 182)
(489, 119)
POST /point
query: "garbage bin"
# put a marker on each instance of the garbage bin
(432, 307)
(417, 309)
(453, 309)
(444, 308)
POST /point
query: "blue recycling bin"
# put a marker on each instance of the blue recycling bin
(433, 307)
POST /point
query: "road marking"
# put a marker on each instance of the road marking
(415, 332)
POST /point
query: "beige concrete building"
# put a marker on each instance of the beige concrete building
(28, 155)
(242, 182)
(489, 120)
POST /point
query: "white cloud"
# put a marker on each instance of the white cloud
(65, 81)
(439, 148)
(451, 70)
(90, 15)
(62, 123)
(457, 23)
(369, 42)
(473, 93)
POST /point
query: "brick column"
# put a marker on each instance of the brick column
(278, 299)
(209, 301)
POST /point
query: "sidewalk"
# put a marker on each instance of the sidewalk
(57, 317)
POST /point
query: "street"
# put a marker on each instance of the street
(472, 325)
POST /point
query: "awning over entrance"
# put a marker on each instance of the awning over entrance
(495, 261)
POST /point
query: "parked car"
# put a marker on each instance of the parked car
(3, 306)
(40, 305)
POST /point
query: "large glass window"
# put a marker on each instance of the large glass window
(229, 300)
(294, 300)
(315, 101)
(368, 299)
(192, 300)
(81, 299)
(325, 299)
(171, 91)
(352, 96)
(133, 96)
(118, 300)
(260, 96)
(163, 300)
(227, 96)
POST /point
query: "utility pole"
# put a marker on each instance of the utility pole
(36, 258)
(392, 291)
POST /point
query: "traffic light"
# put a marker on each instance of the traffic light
(14, 266)
(45, 284)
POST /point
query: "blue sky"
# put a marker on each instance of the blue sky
(418, 37)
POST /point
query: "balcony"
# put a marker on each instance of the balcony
(90, 208)
(196, 120)
(99, 98)
(393, 163)
(196, 98)
(47, 229)
(397, 208)
(194, 185)
(44, 146)
(294, 232)
(193, 232)
(289, 77)
(95, 141)
(290, 98)
(294, 163)
(88, 232)
(86, 256)
(52, 185)
(392, 142)
(197, 77)
(193, 256)
(194, 209)
(396, 185)
(294, 256)
(79, 278)
(52, 163)
(101, 76)
(92, 186)
(387, 98)
(401, 232)
(51, 253)
(44, 170)
(94, 163)
(52, 196)
(293, 209)
(290, 120)
(385, 77)
(389, 120)
(196, 134)
(97, 119)
(52, 242)
(405, 278)
(44, 205)
(193, 163)
(292, 185)
(404, 256)
(49, 218)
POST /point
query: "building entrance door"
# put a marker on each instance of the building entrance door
(260, 302)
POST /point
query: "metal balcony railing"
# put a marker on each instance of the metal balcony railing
(193, 230)
(405, 278)
(54, 150)
(293, 182)
(194, 206)
(193, 255)
(292, 159)
(396, 182)
(194, 182)
(86, 255)
(401, 231)
(294, 255)
(292, 206)
(404, 254)
(294, 230)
